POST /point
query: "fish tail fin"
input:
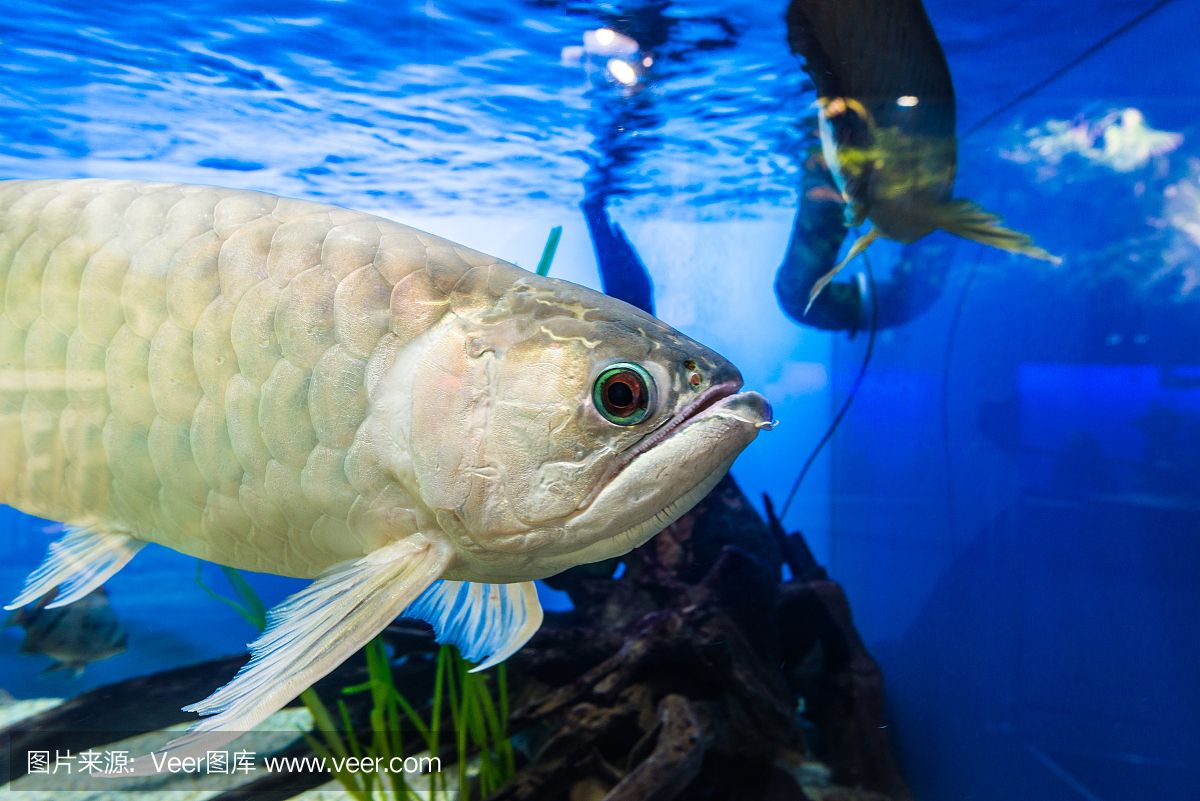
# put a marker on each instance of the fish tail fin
(970, 221)
(310, 634)
(77, 564)
(860, 244)
(487, 622)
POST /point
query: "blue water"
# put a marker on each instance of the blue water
(1013, 502)
(429, 106)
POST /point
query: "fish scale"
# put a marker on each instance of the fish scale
(192, 362)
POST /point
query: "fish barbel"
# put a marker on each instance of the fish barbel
(296, 388)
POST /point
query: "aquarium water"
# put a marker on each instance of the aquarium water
(1012, 500)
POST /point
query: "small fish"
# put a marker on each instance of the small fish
(73, 636)
(295, 388)
(887, 123)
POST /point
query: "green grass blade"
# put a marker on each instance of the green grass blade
(323, 721)
(354, 747)
(355, 689)
(548, 251)
(435, 714)
(253, 613)
(491, 718)
(249, 598)
(349, 781)
(418, 723)
(502, 691)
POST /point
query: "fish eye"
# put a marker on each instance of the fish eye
(622, 393)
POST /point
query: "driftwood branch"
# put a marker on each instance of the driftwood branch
(685, 677)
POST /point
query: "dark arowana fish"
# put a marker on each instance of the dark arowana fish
(73, 636)
(300, 389)
(887, 123)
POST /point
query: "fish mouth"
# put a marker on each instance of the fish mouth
(714, 400)
(668, 471)
(688, 414)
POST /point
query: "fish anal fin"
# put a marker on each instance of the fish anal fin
(77, 564)
(860, 244)
(76, 669)
(487, 622)
(970, 221)
(311, 633)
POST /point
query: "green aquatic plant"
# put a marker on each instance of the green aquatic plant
(480, 748)
(247, 604)
(551, 246)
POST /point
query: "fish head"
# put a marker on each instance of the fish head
(563, 426)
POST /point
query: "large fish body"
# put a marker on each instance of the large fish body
(887, 107)
(296, 388)
(887, 122)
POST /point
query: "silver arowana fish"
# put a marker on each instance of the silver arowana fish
(887, 121)
(289, 387)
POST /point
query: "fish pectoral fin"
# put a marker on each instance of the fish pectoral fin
(488, 622)
(77, 564)
(311, 633)
(971, 221)
(860, 244)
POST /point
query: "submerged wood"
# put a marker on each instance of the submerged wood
(684, 677)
